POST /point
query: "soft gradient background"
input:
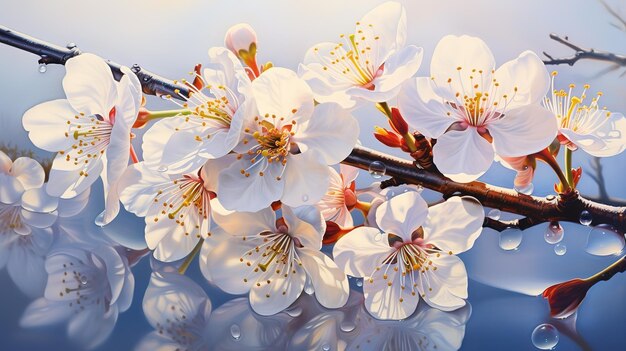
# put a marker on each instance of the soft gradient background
(169, 37)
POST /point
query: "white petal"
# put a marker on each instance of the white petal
(43, 312)
(525, 80)
(92, 326)
(422, 108)
(5, 162)
(226, 268)
(348, 174)
(129, 98)
(360, 251)
(324, 87)
(69, 183)
(329, 282)
(115, 162)
(29, 172)
(71, 207)
(246, 223)
(11, 189)
(399, 67)
(446, 59)
(89, 85)
(279, 92)
(252, 193)
(169, 240)
(456, 235)
(274, 292)
(448, 283)
(224, 69)
(38, 200)
(47, 125)
(402, 215)
(306, 224)
(306, 179)
(388, 23)
(138, 187)
(608, 139)
(332, 131)
(523, 131)
(463, 156)
(26, 268)
(385, 298)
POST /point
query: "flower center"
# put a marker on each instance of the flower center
(10, 219)
(273, 142)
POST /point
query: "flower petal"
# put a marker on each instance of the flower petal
(402, 214)
(525, 80)
(463, 156)
(225, 265)
(608, 139)
(523, 131)
(399, 67)
(329, 282)
(245, 223)
(38, 200)
(306, 224)
(89, 85)
(446, 287)
(43, 312)
(251, 193)
(11, 189)
(306, 179)
(29, 172)
(387, 22)
(47, 125)
(5, 162)
(273, 292)
(360, 251)
(385, 297)
(457, 235)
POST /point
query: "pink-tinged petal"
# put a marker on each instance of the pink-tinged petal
(384, 296)
(446, 287)
(332, 131)
(43, 312)
(47, 125)
(402, 215)
(422, 108)
(348, 173)
(305, 223)
(38, 200)
(28, 172)
(11, 189)
(360, 251)
(306, 179)
(89, 85)
(523, 131)
(459, 234)
(254, 192)
(446, 61)
(525, 81)
(399, 67)
(5, 162)
(463, 156)
(244, 223)
(329, 282)
(280, 92)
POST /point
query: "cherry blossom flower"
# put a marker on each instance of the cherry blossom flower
(287, 146)
(178, 309)
(88, 285)
(414, 256)
(341, 196)
(369, 65)
(90, 131)
(475, 111)
(212, 124)
(598, 132)
(272, 260)
(177, 208)
(26, 232)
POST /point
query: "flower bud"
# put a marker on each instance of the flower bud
(334, 232)
(143, 117)
(564, 298)
(397, 122)
(241, 40)
(388, 137)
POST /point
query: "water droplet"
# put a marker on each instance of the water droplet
(325, 347)
(550, 197)
(71, 45)
(510, 239)
(347, 326)
(308, 287)
(83, 280)
(378, 237)
(494, 214)
(43, 68)
(586, 218)
(390, 195)
(162, 168)
(99, 221)
(235, 331)
(377, 169)
(135, 68)
(359, 282)
(418, 188)
(294, 312)
(545, 337)
(526, 189)
(305, 198)
(560, 249)
(604, 240)
(554, 233)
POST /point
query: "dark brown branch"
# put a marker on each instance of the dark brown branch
(536, 209)
(581, 53)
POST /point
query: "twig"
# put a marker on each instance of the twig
(582, 53)
(536, 209)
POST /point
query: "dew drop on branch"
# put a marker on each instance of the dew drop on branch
(377, 169)
(235, 331)
(494, 214)
(560, 249)
(545, 337)
(526, 189)
(510, 239)
(43, 68)
(585, 218)
(604, 240)
(554, 233)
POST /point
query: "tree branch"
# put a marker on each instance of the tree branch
(581, 53)
(535, 209)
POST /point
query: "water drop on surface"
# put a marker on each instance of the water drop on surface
(308, 287)
(71, 45)
(359, 282)
(545, 337)
(294, 312)
(99, 221)
(377, 169)
(378, 236)
(560, 249)
(235, 331)
(390, 195)
(162, 168)
(325, 347)
(43, 68)
(586, 218)
(83, 280)
(494, 214)
(305, 198)
(526, 190)
(604, 240)
(510, 239)
(554, 233)
(347, 326)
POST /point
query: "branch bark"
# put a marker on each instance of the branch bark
(581, 53)
(535, 209)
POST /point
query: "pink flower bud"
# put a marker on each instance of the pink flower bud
(564, 298)
(241, 37)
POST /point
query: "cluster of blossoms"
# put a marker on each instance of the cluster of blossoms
(242, 173)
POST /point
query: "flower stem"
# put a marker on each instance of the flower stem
(409, 139)
(167, 113)
(133, 155)
(547, 157)
(384, 108)
(607, 273)
(363, 207)
(183, 267)
(568, 168)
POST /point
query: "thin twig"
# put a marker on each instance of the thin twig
(581, 53)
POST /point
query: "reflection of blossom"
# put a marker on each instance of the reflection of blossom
(414, 256)
(27, 214)
(370, 64)
(178, 309)
(341, 196)
(90, 130)
(88, 285)
(273, 259)
(287, 147)
(475, 111)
